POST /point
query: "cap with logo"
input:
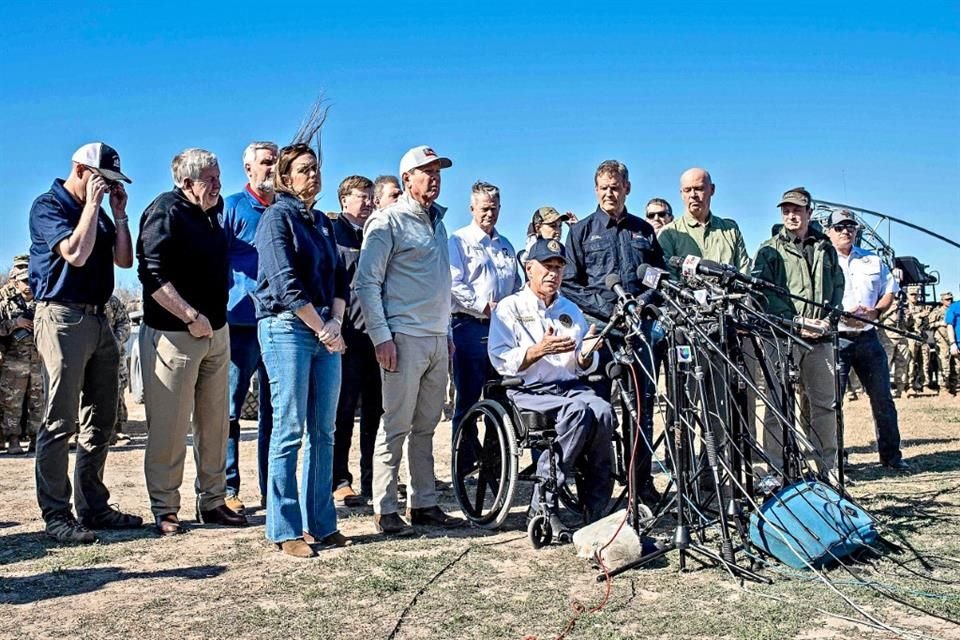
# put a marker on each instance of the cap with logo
(420, 156)
(103, 158)
(913, 289)
(842, 216)
(544, 249)
(21, 268)
(548, 215)
(798, 196)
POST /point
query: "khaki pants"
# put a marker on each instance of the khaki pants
(816, 432)
(184, 387)
(412, 402)
(80, 360)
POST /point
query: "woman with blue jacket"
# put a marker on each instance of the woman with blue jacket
(301, 295)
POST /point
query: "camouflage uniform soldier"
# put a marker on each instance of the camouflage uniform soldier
(119, 322)
(897, 349)
(21, 379)
(917, 323)
(947, 368)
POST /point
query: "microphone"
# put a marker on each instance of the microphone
(694, 265)
(613, 283)
(659, 279)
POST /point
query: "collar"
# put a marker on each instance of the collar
(478, 235)
(693, 222)
(63, 196)
(297, 204)
(350, 223)
(256, 196)
(532, 298)
(609, 220)
(195, 208)
(434, 212)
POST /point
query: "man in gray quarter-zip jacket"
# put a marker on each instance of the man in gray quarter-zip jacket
(403, 285)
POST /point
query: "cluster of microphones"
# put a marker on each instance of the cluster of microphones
(659, 284)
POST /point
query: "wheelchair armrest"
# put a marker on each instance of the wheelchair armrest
(511, 382)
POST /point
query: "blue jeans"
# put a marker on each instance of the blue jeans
(471, 368)
(304, 387)
(244, 359)
(863, 353)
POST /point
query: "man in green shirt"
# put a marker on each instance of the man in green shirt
(803, 261)
(698, 232)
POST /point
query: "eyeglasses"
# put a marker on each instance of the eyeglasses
(848, 228)
(658, 214)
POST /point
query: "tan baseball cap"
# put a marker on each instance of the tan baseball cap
(548, 215)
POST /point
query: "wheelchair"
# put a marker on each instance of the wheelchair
(486, 471)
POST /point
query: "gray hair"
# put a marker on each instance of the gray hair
(484, 188)
(381, 181)
(612, 168)
(251, 151)
(189, 163)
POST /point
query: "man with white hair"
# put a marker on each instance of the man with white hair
(74, 248)
(483, 269)
(185, 342)
(403, 285)
(241, 214)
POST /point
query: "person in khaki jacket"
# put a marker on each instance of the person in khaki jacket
(803, 261)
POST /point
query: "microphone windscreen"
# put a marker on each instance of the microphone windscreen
(611, 280)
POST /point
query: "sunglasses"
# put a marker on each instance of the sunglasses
(110, 183)
(658, 214)
(840, 228)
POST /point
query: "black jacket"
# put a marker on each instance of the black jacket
(182, 244)
(349, 240)
(598, 246)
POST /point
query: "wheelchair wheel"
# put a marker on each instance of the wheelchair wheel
(484, 465)
(539, 531)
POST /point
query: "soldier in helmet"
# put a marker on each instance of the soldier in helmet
(21, 381)
(917, 323)
(947, 366)
(119, 322)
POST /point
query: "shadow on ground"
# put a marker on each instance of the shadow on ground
(68, 582)
(21, 547)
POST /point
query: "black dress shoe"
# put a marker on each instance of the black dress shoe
(649, 495)
(434, 517)
(896, 465)
(222, 515)
(392, 525)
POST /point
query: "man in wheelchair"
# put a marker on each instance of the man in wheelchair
(543, 338)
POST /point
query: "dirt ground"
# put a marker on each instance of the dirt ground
(472, 583)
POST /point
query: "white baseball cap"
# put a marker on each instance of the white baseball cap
(101, 157)
(420, 156)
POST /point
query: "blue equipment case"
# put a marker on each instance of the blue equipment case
(809, 524)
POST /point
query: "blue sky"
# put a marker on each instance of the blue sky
(859, 102)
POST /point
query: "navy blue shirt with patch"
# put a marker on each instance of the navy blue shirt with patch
(53, 217)
(299, 261)
(597, 246)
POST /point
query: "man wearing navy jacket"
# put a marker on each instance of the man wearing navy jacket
(611, 240)
(74, 248)
(241, 214)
